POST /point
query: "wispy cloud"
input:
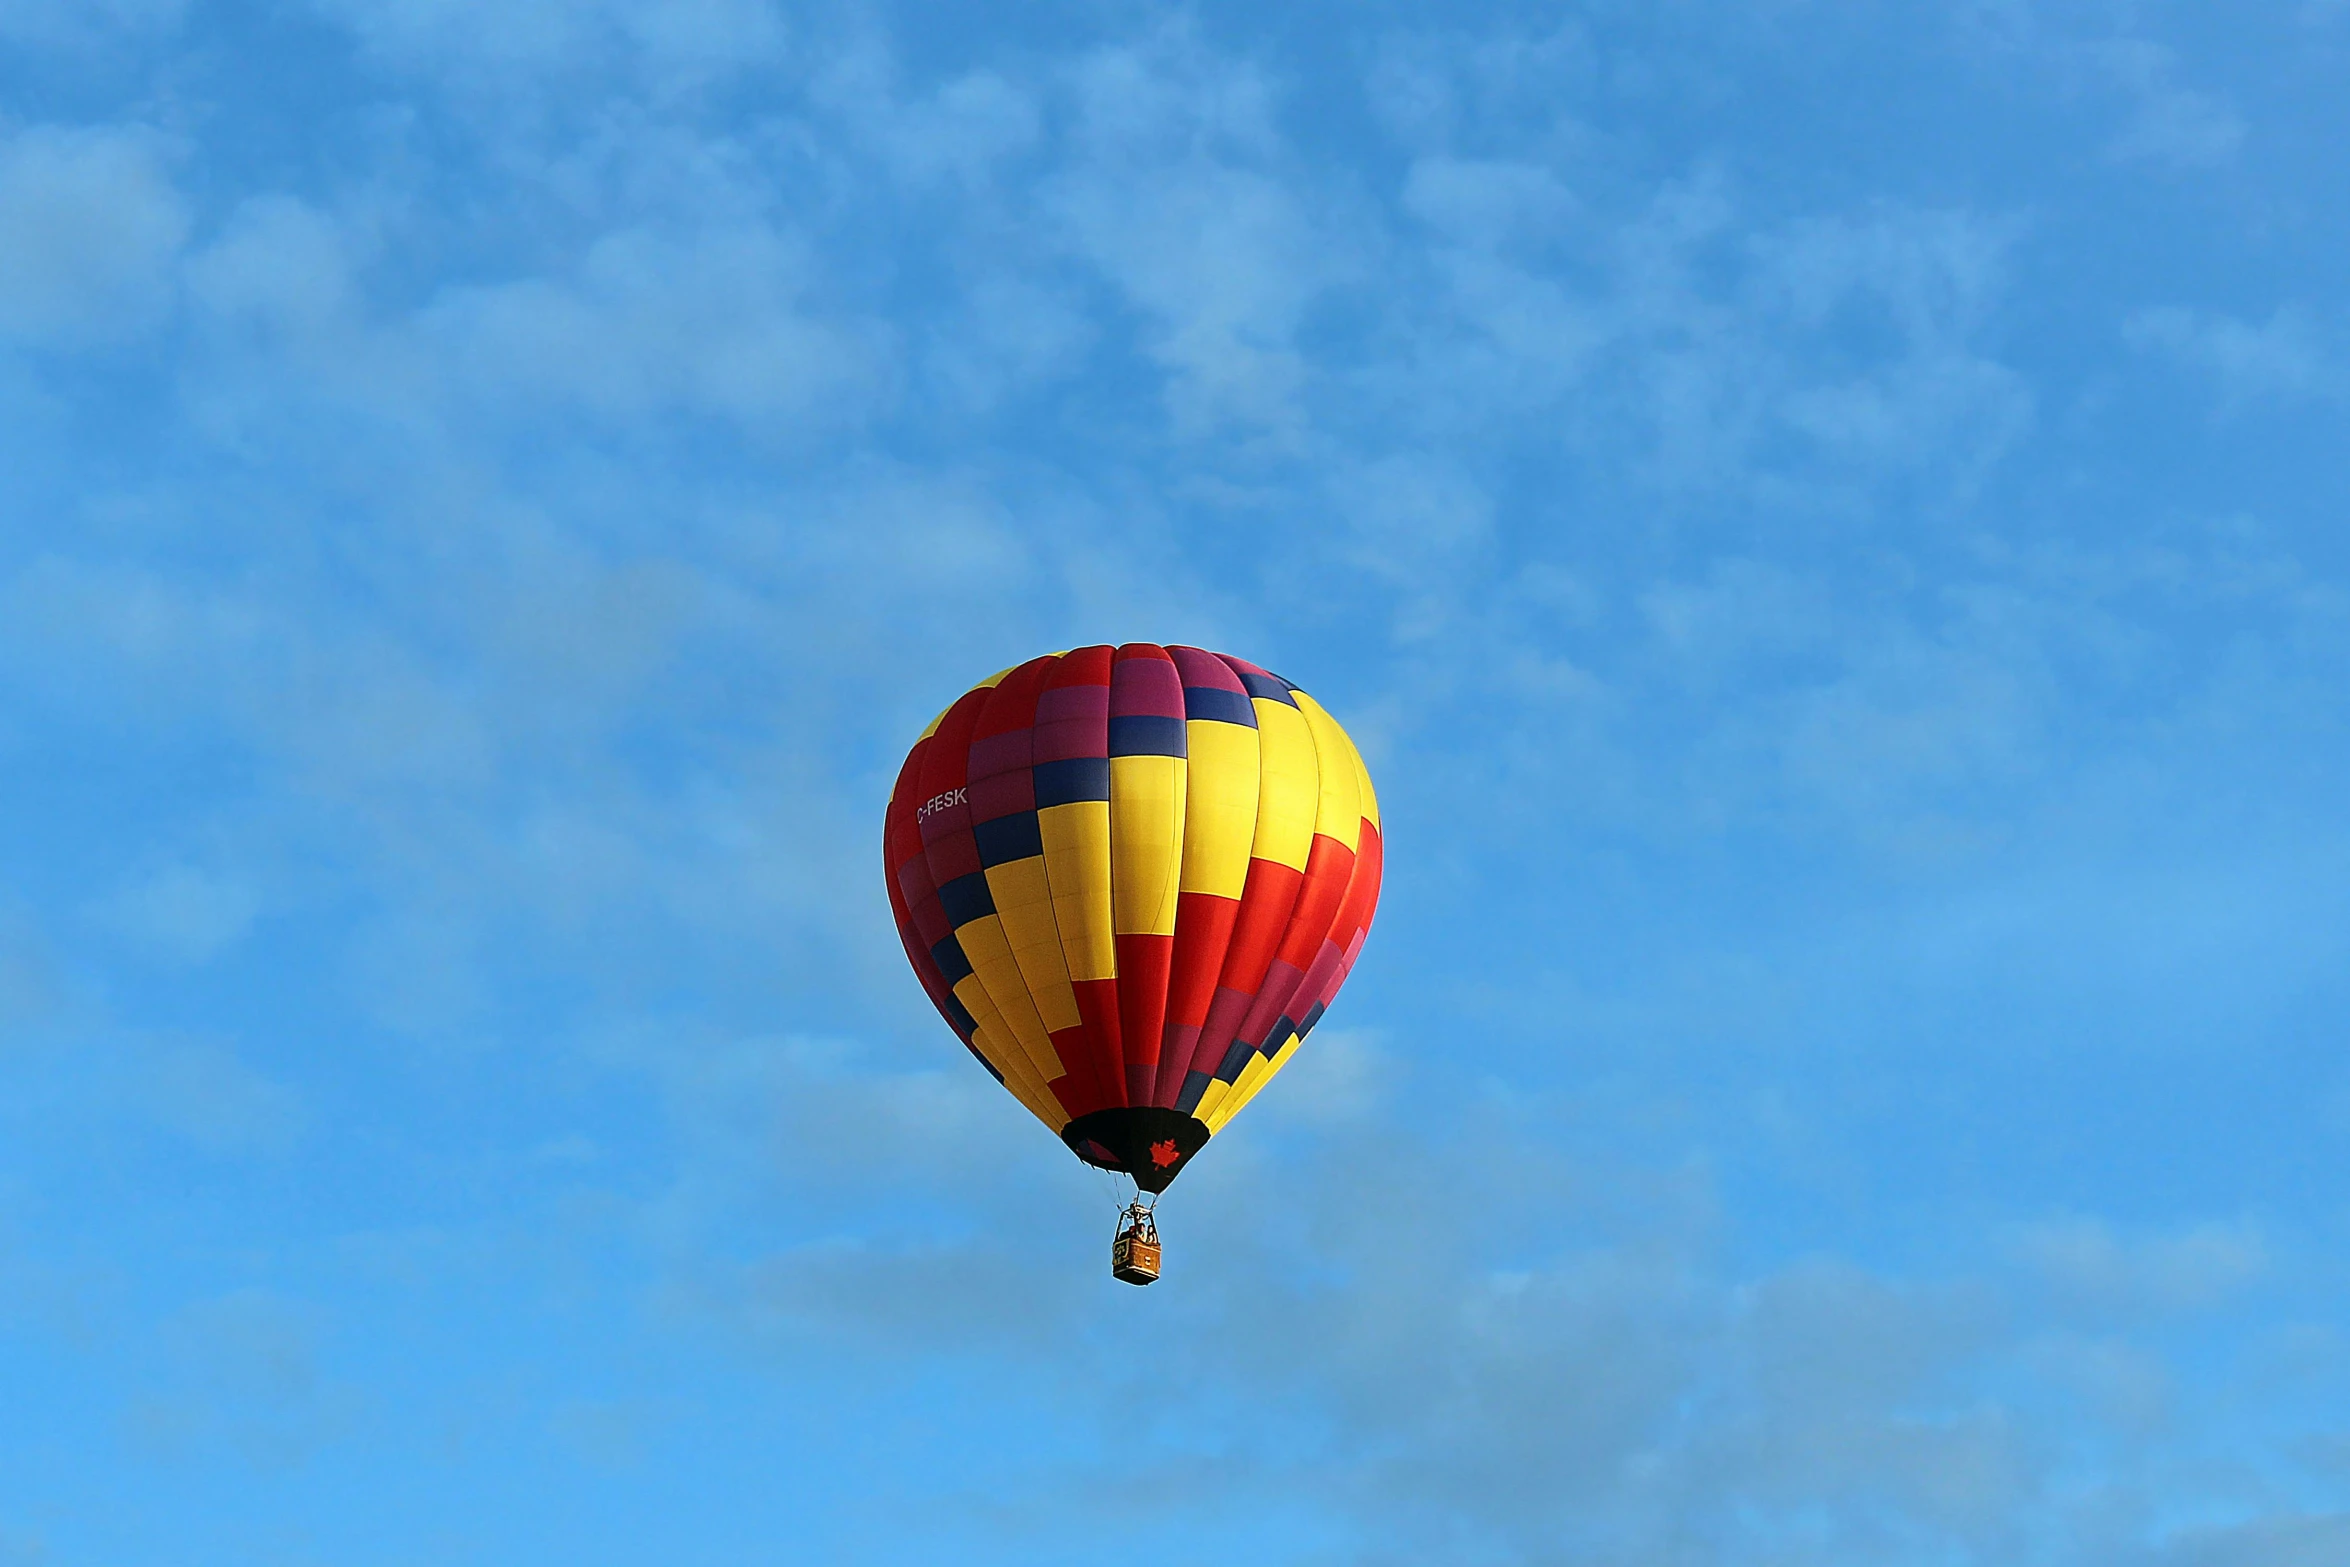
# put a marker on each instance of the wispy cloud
(2288, 358)
(95, 225)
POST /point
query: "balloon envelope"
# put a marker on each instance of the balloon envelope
(1131, 880)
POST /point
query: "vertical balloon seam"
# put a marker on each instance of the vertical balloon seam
(925, 968)
(991, 1037)
(1149, 783)
(1091, 1051)
(1272, 883)
(1224, 1052)
(978, 929)
(1067, 871)
(1088, 1049)
(1317, 909)
(1104, 1033)
(1349, 927)
(1000, 971)
(1349, 764)
(895, 826)
(1371, 852)
(1274, 994)
(1005, 1063)
(1018, 865)
(1087, 1063)
(1194, 964)
(927, 791)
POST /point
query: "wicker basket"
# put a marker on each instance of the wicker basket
(1134, 1259)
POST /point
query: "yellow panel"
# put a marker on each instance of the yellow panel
(1214, 1095)
(995, 1042)
(1023, 1087)
(1363, 781)
(1288, 784)
(990, 952)
(1024, 902)
(1077, 862)
(1338, 811)
(1253, 1076)
(1146, 843)
(1220, 806)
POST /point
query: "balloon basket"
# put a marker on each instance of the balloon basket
(1134, 1255)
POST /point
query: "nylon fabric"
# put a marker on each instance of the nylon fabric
(1132, 880)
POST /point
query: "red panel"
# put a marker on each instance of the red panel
(1084, 666)
(1329, 867)
(1266, 900)
(919, 895)
(1080, 1090)
(1011, 705)
(942, 813)
(1203, 933)
(1097, 1004)
(1362, 901)
(1143, 962)
(1073, 710)
(899, 834)
(902, 851)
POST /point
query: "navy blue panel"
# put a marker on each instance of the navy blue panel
(1225, 707)
(960, 1015)
(1009, 838)
(1078, 778)
(1236, 1056)
(1282, 1029)
(1306, 1025)
(1194, 1085)
(983, 1061)
(1271, 687)
(953, 967)
(1146, 734)
(966, 898)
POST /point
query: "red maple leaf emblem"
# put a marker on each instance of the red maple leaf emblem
(1164, 1153)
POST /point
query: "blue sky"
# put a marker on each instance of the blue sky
(1825, 518)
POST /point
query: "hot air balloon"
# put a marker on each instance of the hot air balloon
(1131, 880)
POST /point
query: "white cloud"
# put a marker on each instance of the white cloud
(1698, 349)
(2288, 1540)
(674, 44)
(1487, 204)
(2168, 123)
(712, 323)
(964, 130)
(555, 696)
(184, 914)
(94, 225)
(1473, 1341)
(278, 263)
(87, 26)
(1181, 192)
(209, 1095)
(2091, 1267)
(2288, 357)
(31, 988)
(2126, 1387)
